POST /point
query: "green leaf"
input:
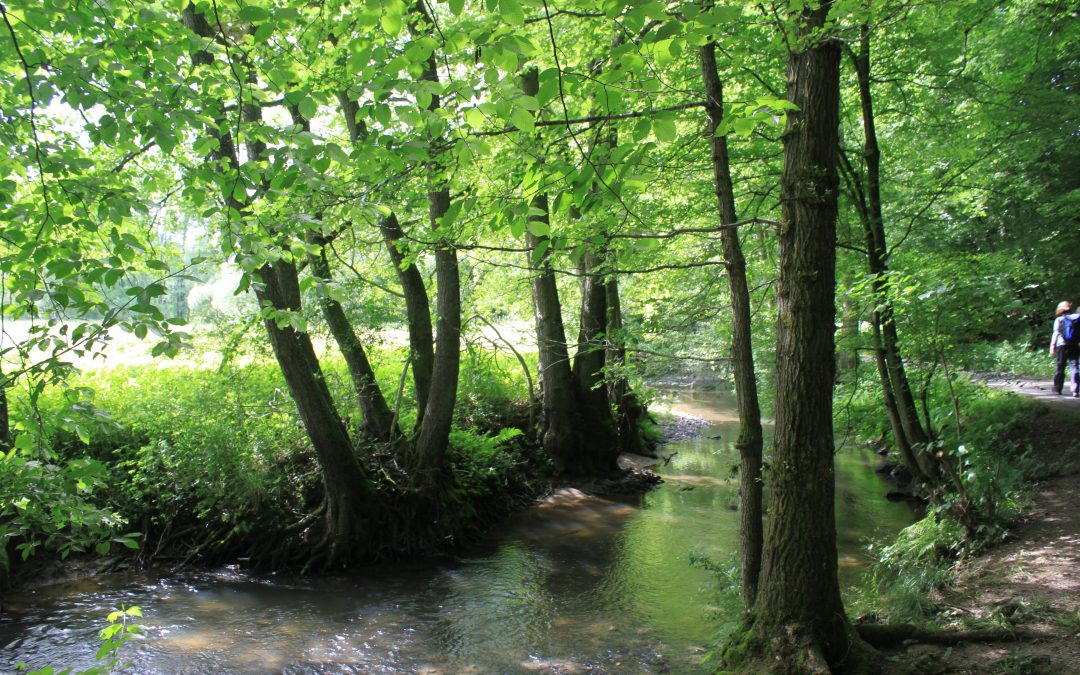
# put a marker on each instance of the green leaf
(308, 107)
(456, 6)
(474, 118)
(263, 32)
(665, 130)
(744, 126)
(539, 228)
(541, 248)
(253, 13)
(523, 119)
(391, 23)
(511, 12)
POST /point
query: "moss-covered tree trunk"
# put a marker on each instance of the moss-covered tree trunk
(750, 438)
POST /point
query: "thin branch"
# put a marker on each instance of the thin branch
(592, 119)
(33, 119)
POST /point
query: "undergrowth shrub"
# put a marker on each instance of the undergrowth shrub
(900, 586)
(198, 455)
(988, 471)
(214, 460)
(1019, 358)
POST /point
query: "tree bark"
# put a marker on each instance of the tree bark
(560, 425)
(750, 440)
(378, 420)
(417, 313)
(599, 453)
(630, 413)
(417, 304)
(798, 600)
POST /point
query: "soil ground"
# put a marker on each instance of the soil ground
(1031, 581)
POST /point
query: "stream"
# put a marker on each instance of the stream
(578, 585)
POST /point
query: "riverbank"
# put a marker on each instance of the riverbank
(1029, 583)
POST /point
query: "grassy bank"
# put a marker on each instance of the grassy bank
(207, 461)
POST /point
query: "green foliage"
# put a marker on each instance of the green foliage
(899, 587)
(1018, 358)
(57, 507)
(121, 629)
(485, 465)
(192, 447)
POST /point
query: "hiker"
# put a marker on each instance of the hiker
(1065, 345)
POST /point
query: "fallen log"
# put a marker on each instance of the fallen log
(894, 635)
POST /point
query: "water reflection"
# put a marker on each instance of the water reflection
(579, 585)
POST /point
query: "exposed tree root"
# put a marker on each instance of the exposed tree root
(894, 635)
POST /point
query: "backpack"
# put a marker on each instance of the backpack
(1070, 328)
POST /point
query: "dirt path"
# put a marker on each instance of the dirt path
(1032, 580)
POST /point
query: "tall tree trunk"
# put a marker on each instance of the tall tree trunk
(750, 440)
(432, 437)
(378, 423)
(878, 254)
(798, 608)
(914, 438)
(5, 417)
(560, 432)
(349, 490)
(560, 425)
(599, 453)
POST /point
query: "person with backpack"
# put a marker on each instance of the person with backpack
(1065, 345)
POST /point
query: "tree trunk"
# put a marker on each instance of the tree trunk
(417, 306)
(348, 488)
(630, 413)
(750, 440)
(560, 425)
(378, 423)
(432, 437)
(378, 418)
(417, 313)
(599, 453)
(798, 604)
(5, 417)
(914, 436)
(349, 491)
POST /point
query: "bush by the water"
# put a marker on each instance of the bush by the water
(209, 461)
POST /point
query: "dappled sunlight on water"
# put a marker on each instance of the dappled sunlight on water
(578, 585)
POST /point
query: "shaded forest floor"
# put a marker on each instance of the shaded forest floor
(1032, 580)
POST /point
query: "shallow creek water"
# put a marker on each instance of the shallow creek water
(579, 585)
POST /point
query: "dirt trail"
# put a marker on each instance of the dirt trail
(1032, 580)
